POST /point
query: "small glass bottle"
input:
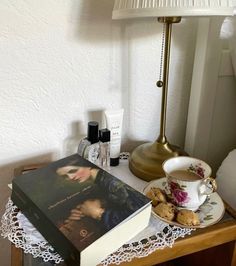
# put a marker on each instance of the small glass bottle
(89, 147)
(92, 135)
(104, 148)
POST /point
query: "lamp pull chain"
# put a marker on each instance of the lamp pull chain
(160, 81)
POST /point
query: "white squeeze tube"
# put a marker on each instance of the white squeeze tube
(114, 120)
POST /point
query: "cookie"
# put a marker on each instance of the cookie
(165, 210)
(156, 195)
(187, 217)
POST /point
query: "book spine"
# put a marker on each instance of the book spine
(46, 227)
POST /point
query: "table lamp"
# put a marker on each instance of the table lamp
(146, 160)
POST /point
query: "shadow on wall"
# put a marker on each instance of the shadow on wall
(96, 115)
(181, 69)
(78, 130)
(92, 20)
(130, 144)
(182, 55)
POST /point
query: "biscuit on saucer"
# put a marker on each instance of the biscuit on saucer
(156, 195)
(187, 217)
(165, 210)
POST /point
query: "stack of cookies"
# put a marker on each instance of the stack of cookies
(168, 211)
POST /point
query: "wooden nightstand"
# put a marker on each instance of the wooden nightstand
(203, 244)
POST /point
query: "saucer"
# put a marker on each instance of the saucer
(209, 213)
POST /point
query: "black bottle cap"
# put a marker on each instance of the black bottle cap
(92, 134)
(114, 161)
(104, 135)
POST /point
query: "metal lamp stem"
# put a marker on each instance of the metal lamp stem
(146, 160)
(168, 30)
(162, 137)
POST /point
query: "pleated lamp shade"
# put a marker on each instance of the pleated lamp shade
(171, 8)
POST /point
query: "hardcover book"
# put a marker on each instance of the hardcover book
(84, 212)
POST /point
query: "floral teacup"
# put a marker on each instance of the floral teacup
(189, 181)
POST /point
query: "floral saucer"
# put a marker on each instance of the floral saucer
(209, 213)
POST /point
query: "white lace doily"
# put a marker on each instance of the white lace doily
(16, 227)
(31, 242)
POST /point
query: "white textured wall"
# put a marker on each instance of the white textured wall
(63, 62)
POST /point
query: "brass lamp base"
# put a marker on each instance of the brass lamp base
(146, 160)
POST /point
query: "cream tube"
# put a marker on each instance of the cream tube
(114, 120)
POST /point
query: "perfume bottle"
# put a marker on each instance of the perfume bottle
(92, 129)
(104, 148)
(89, 146)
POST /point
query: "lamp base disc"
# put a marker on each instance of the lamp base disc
(146, 160)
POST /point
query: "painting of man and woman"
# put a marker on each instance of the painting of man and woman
(100, 206)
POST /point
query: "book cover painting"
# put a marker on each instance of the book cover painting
(82, 200)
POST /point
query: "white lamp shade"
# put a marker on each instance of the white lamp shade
(171, 8)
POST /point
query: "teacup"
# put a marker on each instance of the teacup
(188, 181)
